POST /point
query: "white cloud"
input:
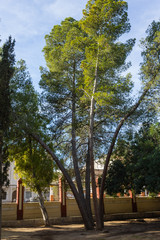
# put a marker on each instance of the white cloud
(62, 8)
(25, 19)
(18, 19)
(29, 20)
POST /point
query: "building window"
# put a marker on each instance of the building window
(4, 195)
(28, 195)
(14, 194)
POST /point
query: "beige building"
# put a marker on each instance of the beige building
(10, 192)
(29, 196)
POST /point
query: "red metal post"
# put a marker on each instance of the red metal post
(20, 198)
(51, 193)
(62, 197)
(134, 202)
(97, 187)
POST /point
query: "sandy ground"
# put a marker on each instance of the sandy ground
(145, 229)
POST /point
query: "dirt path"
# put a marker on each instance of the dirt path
(146, 229)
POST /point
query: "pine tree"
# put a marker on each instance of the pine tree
(86, 96)
(6, 72)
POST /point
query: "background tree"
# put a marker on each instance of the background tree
(35, 168)
(115, 180)
(124, 174)
(7, 60)
(146, 149)
(32, 164)
(136, 167)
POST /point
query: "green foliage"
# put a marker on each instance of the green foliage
(34, 166)
(115, 178)
(5, 167)
(7, 61)
(147, 150)
(63, 48)
(32, 163)
(6, 72)
(24, 101)
(106, 17)
(150, 68)
(71, 55)
(64, 52)
(105, 22)
(151, 52)
(139, 158)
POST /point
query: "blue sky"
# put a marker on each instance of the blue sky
(28, 21)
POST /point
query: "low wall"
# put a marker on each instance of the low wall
(147, 204)
(32, 210)
(9, 211)
(117, 205)
(111, 206)
(72, 208)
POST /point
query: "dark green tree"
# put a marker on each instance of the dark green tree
(124, 174)
(146, 149)
(115, 180)
(137, 167)
(7, 60)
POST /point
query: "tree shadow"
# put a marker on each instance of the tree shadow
(112, 230)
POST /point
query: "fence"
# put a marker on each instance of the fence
(67, 207)
(111, 206)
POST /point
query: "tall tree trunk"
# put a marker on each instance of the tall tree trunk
(43, 209)
(91, 147)
(87, 222)
(74, 149)
(87, 185)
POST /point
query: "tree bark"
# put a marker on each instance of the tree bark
(74, 149)
(134, 201)
(43, 210)
(88, 188)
